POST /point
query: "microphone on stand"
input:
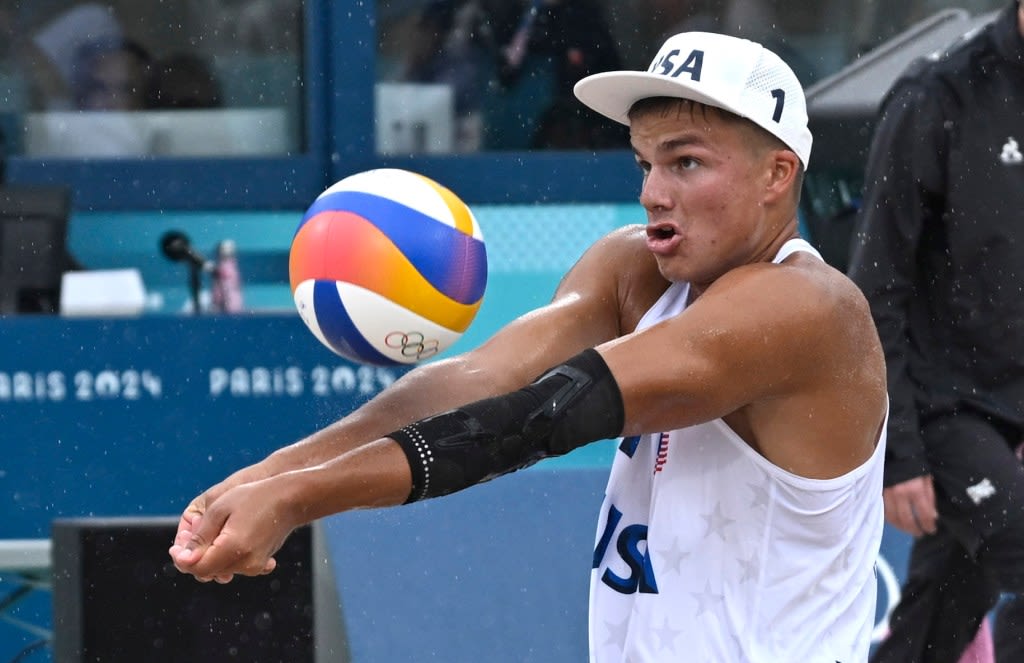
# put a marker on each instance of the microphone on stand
(177, 247)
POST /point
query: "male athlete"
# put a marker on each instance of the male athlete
(743, 512)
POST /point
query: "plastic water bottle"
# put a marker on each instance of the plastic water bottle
(227, 280)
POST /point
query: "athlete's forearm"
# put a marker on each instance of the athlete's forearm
(375, 474)
(570, 405)
(420, 393)
(511, 359)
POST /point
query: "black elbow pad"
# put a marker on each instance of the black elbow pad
(570, 405)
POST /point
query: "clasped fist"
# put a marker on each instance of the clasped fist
(232, 531)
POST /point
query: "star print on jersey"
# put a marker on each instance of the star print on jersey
(673, 558)
(716, 522)
(749, 567)
(705, 599)
(761, 496)
(666, 635)
(616, 633)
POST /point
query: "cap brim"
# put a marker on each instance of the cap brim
(613, 93)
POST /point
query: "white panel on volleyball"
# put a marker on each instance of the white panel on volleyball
(303, 296)
(378, 318)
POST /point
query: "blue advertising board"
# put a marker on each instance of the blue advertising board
(124, 417)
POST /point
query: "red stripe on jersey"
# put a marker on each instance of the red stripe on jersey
(659, 462)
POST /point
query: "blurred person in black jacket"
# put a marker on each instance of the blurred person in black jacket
(939, 252)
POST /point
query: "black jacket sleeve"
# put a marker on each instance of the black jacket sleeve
(903, 193)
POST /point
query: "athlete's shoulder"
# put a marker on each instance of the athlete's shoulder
(623, 252)
(803, 289)
(628, 238)
(828, 305)
(808, 316)
(618, 269)
(621, 249)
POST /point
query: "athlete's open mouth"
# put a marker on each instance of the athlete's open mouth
(661, 232)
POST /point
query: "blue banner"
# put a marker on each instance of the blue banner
(135, 417)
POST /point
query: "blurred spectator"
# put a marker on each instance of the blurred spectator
(574, 37)
(37, 64)
(56, 47)
(182, 80)
(449, 46)
(111, 74)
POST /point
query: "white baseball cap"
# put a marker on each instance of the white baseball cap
(738, 75)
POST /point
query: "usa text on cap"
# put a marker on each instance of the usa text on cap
(734, 74)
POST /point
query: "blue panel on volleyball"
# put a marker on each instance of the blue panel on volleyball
(337, 326)
(427, 243)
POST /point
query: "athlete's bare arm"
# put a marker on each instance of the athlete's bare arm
(602, 297)
(786, 354)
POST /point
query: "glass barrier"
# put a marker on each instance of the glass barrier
(95, 93)
(461, 76)
(178, 78)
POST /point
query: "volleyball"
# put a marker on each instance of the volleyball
(388, 267)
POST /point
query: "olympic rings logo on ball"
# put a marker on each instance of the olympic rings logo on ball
(412, 344)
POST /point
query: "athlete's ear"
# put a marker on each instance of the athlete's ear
(784, 167)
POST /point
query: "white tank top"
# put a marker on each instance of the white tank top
(707, 552)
